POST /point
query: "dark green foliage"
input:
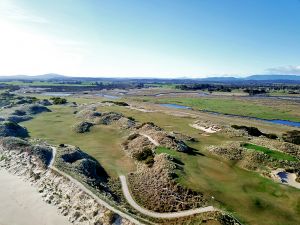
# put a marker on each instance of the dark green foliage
(144, 154)
(117, 103)
(58, 100)
(9, 128)
(253, 131)
(292, 136)
(271, 136)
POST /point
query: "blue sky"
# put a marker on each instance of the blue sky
(153, 38)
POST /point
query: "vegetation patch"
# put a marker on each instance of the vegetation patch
(8, 128)
(292, 136)
(116, 103)
(253, 131)
(58, 100)
(272, 153)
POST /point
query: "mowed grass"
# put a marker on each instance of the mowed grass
(274, 154)
(249, 196)
(102, 142)
(236, 106)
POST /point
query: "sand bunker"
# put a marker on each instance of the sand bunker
(285, 177)
(206, 128)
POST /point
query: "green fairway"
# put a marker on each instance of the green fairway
(254, 108)
(249, 196)
(274, 154)
(102, 142)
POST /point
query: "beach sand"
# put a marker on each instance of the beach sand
(21, 204)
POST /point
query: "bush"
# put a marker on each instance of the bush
(9, 128)
(292, 136)
(117, 103)
(253, 131)
(271, 136)
(141, 156)
(58, 100)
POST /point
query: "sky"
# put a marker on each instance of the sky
(150, 38)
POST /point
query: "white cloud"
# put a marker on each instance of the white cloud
(10, 10)
(293, 70)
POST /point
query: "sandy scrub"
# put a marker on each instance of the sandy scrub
(209, 130)
(21, 204)
(150, 213)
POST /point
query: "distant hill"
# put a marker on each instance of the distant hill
(220, 79)
(49, 76)
(273, 77)
(253, 78)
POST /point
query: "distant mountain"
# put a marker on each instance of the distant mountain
(273, 77)
(253, 78)
(49, 76)
(220, 79)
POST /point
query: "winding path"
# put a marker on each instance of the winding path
(147, 212)
(87, 191)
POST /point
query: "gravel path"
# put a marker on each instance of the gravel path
(147, 212)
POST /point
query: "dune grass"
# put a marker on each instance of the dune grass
(274, 154)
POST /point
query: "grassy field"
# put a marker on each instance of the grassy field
(237, 106)
(274, 154)
(252, 198)
(102, 142)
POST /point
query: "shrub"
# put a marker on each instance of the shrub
(292, 136)
(253, 131)
(144, 154)
(271, 136)
(58, 100)
(117, 103)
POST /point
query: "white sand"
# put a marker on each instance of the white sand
(21, 204)
(210, 130)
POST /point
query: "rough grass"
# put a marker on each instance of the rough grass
(236, 106)
(274, 154)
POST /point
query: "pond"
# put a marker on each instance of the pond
(108, 96)
(175, 106)
(56, 94)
